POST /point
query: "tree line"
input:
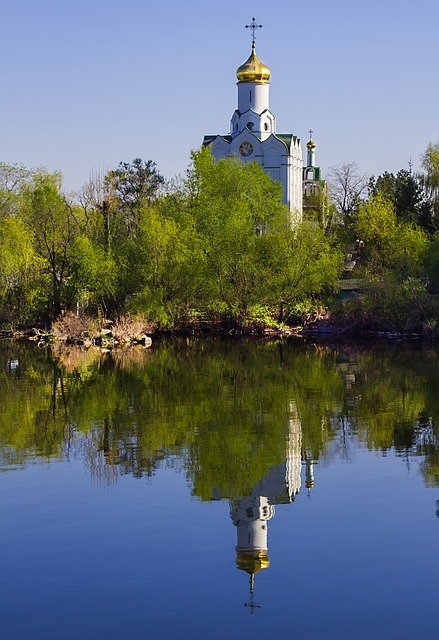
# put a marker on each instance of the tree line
(217, 245)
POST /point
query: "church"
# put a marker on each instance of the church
(253, 136)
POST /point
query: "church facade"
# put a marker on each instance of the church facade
(253, 135)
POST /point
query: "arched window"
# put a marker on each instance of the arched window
(265, 126)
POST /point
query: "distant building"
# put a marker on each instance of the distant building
(314, 188)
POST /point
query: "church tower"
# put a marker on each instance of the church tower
(314, 188)
(253, 136)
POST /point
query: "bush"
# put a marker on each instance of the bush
(390, 306)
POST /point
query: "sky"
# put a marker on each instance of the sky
(89, 83)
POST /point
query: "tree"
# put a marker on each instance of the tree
(12, 178)
(133, 184)
(389, 244)
(235, 207)
(430, 179)
(405, 192)
(19, 269)
(55, 223)
(347, 186)
(303, 265)
(93, 272)
(432, 261)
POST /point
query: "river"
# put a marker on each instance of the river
(219, 489)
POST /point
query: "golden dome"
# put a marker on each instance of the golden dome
(252, 561)
(253, 70)
(310, 144)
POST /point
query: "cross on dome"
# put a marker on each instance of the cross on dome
(253, 26)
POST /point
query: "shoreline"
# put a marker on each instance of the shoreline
(106, 339)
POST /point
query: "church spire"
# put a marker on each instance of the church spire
(253, 70)
(311, 146)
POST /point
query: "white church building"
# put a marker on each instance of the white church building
(253, 135)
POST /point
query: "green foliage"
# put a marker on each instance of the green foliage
(19, 272)
(432, 261)
(430, 179)
(55, 223)
(390, 305)
(389, 244)
(304, 263)
(406, 194)
(223, 409)
(220, 244)
(236, 209)
(132, 185)
(94, 273)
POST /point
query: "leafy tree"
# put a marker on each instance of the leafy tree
(432, 261)
(405, 192)
(94, 273)
(390, 244)
(55, 223)
(133, 184)
(233, 207)
(430, 179)
(19, 268)
(303, 264)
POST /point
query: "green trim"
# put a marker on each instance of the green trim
(286, 138)
(209, 139)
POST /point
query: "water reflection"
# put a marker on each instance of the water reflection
(251, 514)
(217, 410)
(242, 423)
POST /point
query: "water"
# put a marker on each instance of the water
(208, 489)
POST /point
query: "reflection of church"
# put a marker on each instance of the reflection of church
(251, 513)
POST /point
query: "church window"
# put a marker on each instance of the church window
(236, 127)
(250, 96)
(266, 126)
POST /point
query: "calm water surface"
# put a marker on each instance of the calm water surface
(219, 490)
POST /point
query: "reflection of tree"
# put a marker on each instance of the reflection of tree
(220, 408)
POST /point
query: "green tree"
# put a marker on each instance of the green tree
(55, 223)
(133, 184)
(302, 264)
(430, 179)
(19, 269)
(389, 244)
(94, 272)
(235, 208)
(405, 192)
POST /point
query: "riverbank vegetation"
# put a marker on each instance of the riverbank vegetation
(217, 249)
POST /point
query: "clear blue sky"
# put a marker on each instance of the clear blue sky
(88, 83)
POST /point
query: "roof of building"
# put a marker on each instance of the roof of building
(286, 138)
(208, 139)
(253, 70)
